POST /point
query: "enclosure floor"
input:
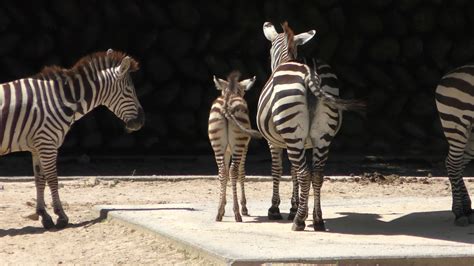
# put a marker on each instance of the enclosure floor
(395, 231)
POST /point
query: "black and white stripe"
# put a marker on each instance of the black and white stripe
(455, 103)
(37, 112)
(295, 114)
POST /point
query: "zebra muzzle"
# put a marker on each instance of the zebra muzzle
(135, 123)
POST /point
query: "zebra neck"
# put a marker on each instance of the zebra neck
(85, 91)
(284, 58)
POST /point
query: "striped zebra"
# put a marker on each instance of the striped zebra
(37, 112)
(291, 118)
(330, 84)
(455, 103)
(229, 133)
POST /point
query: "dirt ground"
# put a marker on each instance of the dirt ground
(89, 240)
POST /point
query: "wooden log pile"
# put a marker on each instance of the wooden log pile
(390, 53)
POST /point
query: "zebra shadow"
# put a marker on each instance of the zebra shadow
(103, 215)
(434, 225)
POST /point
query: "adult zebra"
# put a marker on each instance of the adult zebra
(330, 84)
(291, 118)
(455, 103)
(37, 112)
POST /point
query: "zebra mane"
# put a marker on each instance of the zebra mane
(233, 79)
(114, 58)
(289, 40)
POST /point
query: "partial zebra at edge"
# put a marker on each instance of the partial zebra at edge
(454, 102)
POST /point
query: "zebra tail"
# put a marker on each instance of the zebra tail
(358, 106)
(251, 132)
(333, 101)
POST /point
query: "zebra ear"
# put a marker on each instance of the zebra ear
(110, 51)
(220, 83)
(302, 38)
(124, 66)
(248, 83)
(269, 31)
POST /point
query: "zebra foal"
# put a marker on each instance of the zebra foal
(37, 112)
(455, 104)
(295, 114)
(229, 133)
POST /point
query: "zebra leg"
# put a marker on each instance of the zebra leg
(294, 197)
(243, 200)
(234, 174)
(277, 169)
(320, 156)
(40, 184)
(297, 158)
(317, 180)
(461, 205)
(223, 173)
(48, 162)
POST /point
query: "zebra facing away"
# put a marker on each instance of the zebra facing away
(330, 84)
(455, 103)
(37, 112)
(291, 118)
(229, 133)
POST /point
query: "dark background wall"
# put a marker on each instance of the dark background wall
(391, 53)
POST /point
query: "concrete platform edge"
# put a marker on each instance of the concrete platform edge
(184, 246)
(107, 213)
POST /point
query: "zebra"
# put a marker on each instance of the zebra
(291, 118)
(229, 134)
(37, 112)
(454, 101)
(330, 84)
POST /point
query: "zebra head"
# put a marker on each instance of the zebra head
(123, 98)
(284, 44)
(232, 85)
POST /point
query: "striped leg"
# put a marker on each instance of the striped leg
(294, 197)
(223, 172)
(40, 183)
(277, 169)
(48, 159)
(461, 206)
(320, 156)
(234, 175)
(243, 200)
(296, 154)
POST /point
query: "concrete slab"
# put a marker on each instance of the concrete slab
(395, 231)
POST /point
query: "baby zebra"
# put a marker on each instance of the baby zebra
(229, 133)
(36, 113)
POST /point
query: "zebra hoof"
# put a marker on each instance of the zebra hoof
(62, 223)
(219, 218)
(319, 226)
(238, 218)
(471, 218)
(47, 222)
(462, 221)
(291, 216)
(298, 225)
(245, 212)
(274, 214)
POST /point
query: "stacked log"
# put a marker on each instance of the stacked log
(390, 53)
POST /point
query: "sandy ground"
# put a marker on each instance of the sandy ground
(89, 240)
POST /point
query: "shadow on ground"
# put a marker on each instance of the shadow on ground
(421, 224)
(32, 230)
